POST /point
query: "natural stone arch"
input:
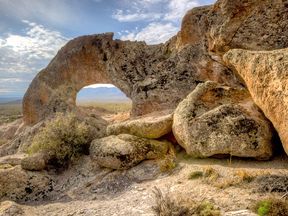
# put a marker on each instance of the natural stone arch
(154, 77)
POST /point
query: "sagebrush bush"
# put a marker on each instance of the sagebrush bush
(272, 207)
(63, 139)
(180, 206)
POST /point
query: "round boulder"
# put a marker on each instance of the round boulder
(220, 120)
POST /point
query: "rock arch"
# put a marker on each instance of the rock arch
(154, 77)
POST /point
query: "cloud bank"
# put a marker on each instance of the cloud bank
(163, 18)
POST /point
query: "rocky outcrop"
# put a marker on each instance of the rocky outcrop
(265, 74)
(154, 77)
(158, 77)
(217, 119)
(19, 185)
(251, 24)
(152, 126)
(125, 151)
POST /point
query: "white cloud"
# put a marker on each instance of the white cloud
(27, 53)
(23, 55)
(178, 8)
(100, 85)
(154, 33)
(164, 17)
(127, 16)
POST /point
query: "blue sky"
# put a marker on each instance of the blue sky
(32, 31)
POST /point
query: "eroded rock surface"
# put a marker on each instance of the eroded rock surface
(265, 74)
(125, 151)
(19, 185)
(217, 119)
(152, 126)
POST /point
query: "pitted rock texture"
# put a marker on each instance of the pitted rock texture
(154, 77)
(125, 151)
(20, 185)
(250, 24)
(152, 126)
(265, 74)
(217, 120)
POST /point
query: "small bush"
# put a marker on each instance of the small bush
(195, 175)
(169, 206)
(207, 209)
(211, 174)
(168, 163)
(63, 139)
(272, 207)
(272, 183)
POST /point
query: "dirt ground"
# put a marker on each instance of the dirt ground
(229, 190)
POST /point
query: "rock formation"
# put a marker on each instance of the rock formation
(19, 185)
(211, 111)
(220, 120)
(265, 74)
(125, 151)
(152, 126)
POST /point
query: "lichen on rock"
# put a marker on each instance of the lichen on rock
(216, 119)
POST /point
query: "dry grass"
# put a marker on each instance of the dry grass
(211, 176)
(114, 107)
(166, 205)
(168, 163)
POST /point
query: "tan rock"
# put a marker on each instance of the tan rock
(36, 162)
(9, 208)
(265, 74)
(152, 126)
(125, 151)
(216, 119)
(12, 160)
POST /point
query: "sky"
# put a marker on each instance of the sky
(32, 31)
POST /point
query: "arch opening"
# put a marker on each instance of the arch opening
(105, 100)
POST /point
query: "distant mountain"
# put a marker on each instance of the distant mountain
(10, 100)
(101, 94)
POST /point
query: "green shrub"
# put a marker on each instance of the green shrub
(207, 209)
(63, 139)
(195, 175)
(272, 207)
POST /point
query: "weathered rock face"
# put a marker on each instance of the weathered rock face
(153, 126)
(216, 119)
(154, 77)
(125, 151)
(265, 74)
(19, 185)
(157, 77)
(251, 24)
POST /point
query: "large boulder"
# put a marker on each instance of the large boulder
(125, 151)
(20, 185)
(216, 119)
(265, 74)
(152, 126)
